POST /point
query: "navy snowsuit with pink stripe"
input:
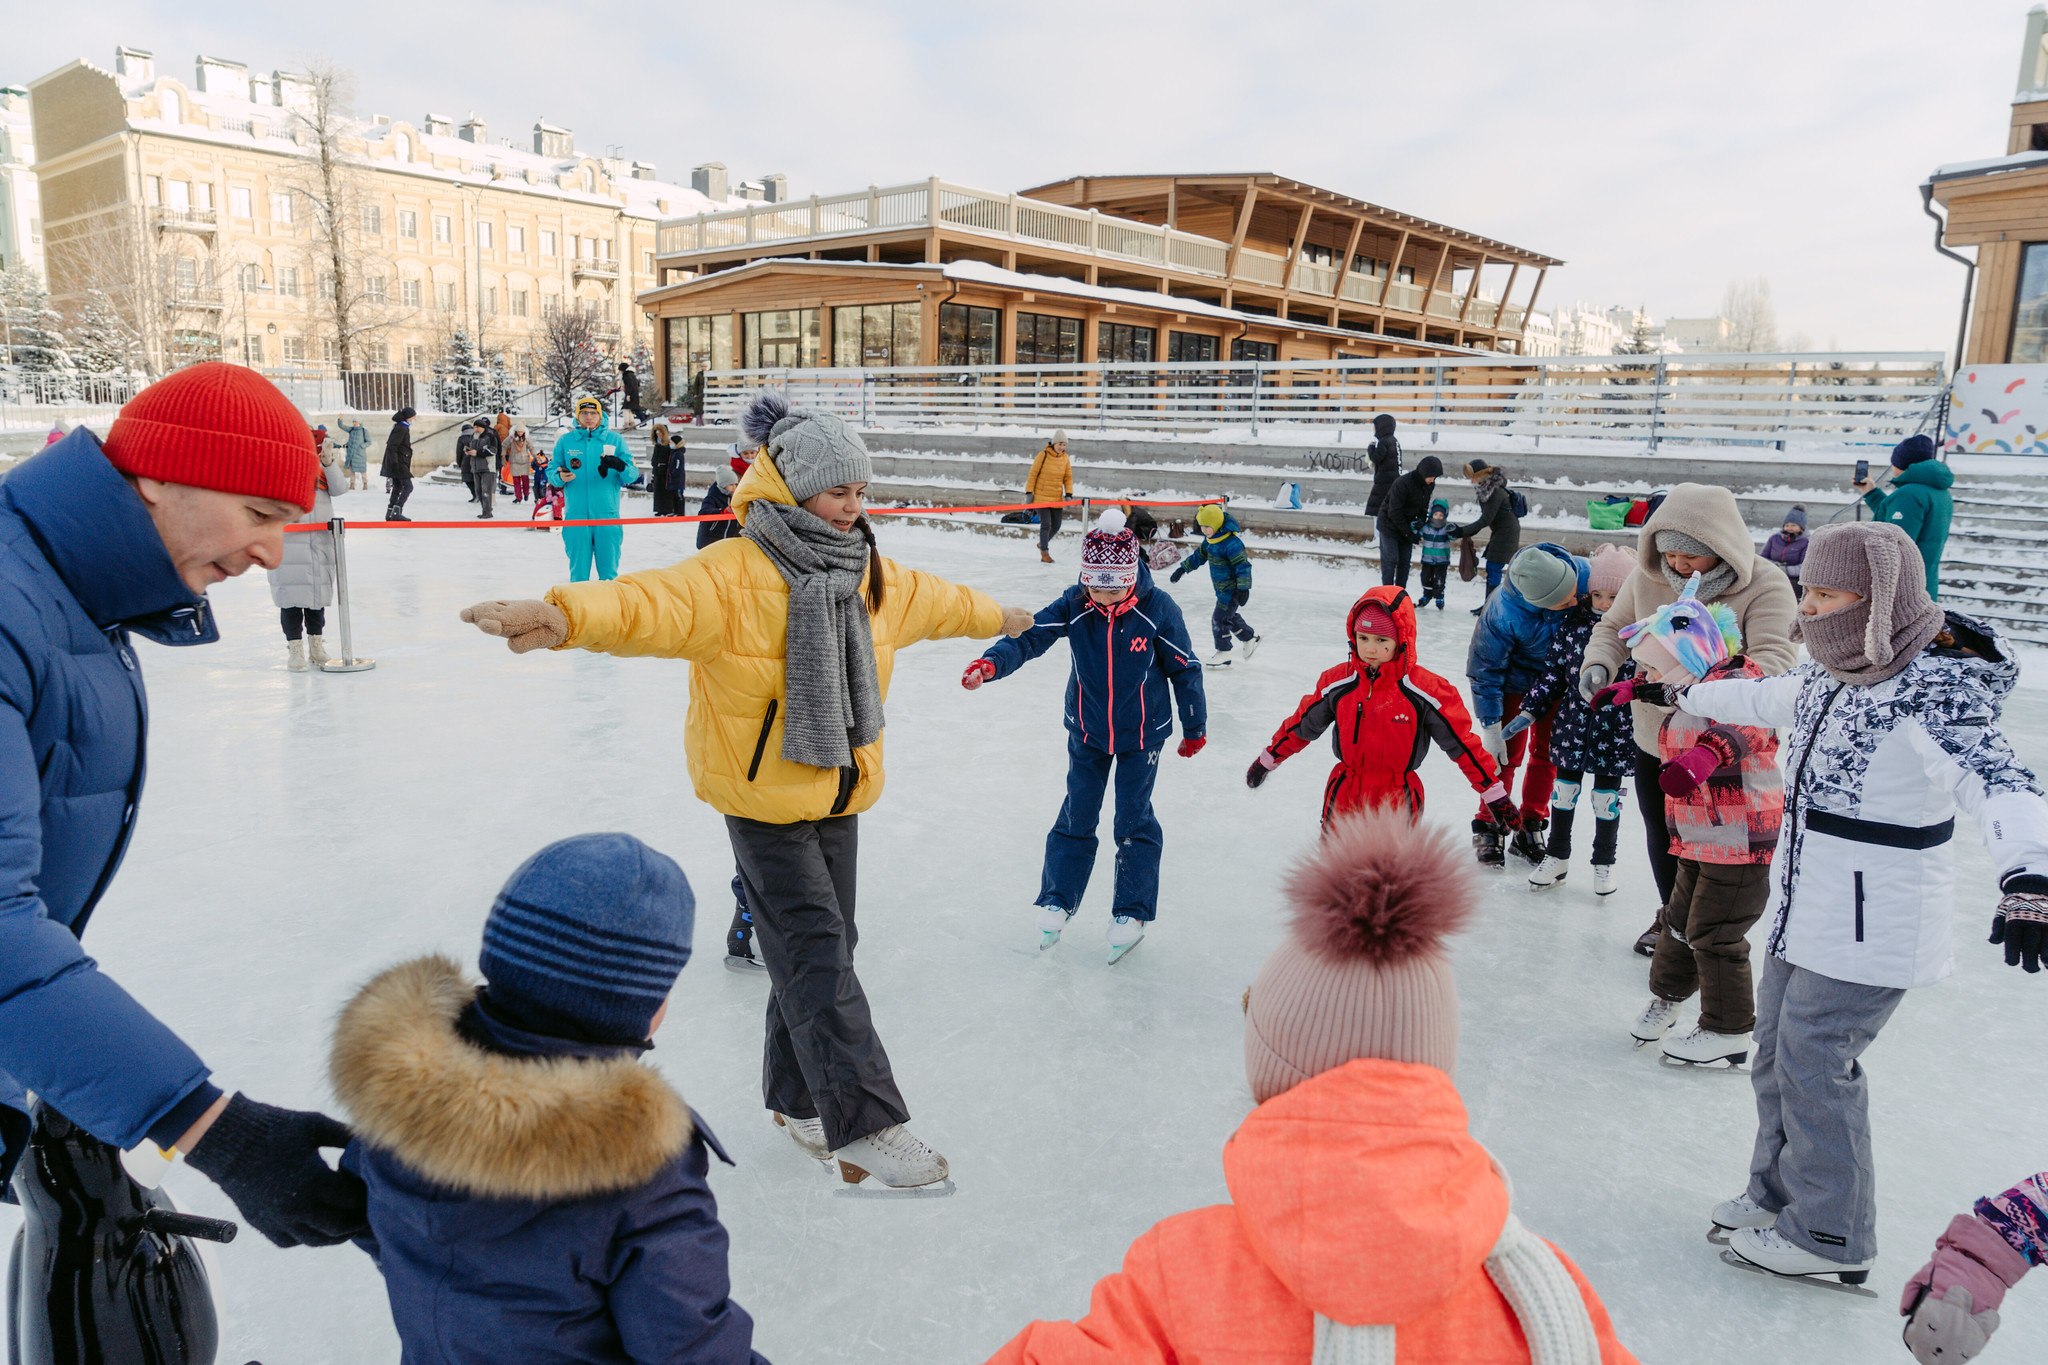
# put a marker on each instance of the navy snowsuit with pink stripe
(1119, 717)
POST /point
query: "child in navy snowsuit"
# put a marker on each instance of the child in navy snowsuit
(1230, 573)
(1129, 642)
(535, 1191)
(1436, 554)
(1583, 741)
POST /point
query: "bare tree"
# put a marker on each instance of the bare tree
(162, 288)
(330, 186)
(1752, 322)
(571, 360)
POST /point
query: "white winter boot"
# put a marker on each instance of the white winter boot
(295, 655)
(1549, 873)
(893, 1156)
(1701, 1047)
(1769, 1249)
(1658, 1018)
(1603, 879)
(316, 650)
(1125, 933)
(808, 1134)
(1742, 1212)
(1052, 919)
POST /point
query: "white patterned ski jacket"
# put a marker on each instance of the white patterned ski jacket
(1863, 882)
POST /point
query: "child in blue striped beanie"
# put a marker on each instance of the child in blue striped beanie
(535, 1189)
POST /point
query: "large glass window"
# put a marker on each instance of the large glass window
(786, 339)
(1189, 347)
(969, 335)
(696, 345)
(1043, 339)
(1120, 343)
(2030, 310)
(877, 335)
(1254, 350)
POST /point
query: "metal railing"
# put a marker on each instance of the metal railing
(1030, 222)
(187, 220)
(598, 270)
(1860, 398)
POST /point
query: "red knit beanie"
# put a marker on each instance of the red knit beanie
(217, 426)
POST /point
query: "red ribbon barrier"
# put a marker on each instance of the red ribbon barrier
(493, 524)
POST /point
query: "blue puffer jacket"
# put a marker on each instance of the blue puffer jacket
(591, 495)
(81, 567)
(530, 1199)
(1511, 641)
(1230, 568)
(1124, 657)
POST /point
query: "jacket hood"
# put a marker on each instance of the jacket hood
(485, 1124)
(1228, 528)
(1428, 467)
(761, 481)
(1981, 655)
(1364, 1192)
(1709, 515)
(1929, 473)
(1402, 609)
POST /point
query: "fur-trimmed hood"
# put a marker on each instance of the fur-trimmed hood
(539, 1128)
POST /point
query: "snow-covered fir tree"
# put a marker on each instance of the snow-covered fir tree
(101, 340)
(460, 379)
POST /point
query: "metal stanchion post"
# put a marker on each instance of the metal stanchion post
(348, 662)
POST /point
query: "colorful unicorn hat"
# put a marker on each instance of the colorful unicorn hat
(1687, 634)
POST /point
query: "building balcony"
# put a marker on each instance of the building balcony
(200, 297)
(595, 270)
(187, 220)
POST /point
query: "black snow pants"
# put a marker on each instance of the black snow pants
(823, 1058)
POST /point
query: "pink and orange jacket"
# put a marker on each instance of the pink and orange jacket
(1733, 816)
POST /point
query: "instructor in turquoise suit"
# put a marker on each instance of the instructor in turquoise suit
(592, 466)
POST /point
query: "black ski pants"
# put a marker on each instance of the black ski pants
(1656, 833)
(401, 489)
(823, 1058)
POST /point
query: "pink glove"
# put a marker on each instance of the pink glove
(1970, 1254)
(1681, 777)
(1628, 690)
(978, 672)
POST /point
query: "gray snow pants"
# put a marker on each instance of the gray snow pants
(1812, 1163)
(823, 1059)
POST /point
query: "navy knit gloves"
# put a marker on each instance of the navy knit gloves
(268, 1161)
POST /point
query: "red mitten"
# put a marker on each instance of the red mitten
(978, 672)
(1681, 777)
(1192, 745)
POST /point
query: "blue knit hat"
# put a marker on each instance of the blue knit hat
(587, 938)
(1912, 451)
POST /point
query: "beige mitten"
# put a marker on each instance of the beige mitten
(1016, 621)
(525, 624)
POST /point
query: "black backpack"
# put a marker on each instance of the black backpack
(1518, 504)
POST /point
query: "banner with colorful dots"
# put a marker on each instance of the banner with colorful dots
(1998, 410)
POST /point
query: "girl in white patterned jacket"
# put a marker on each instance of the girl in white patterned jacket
(1891, 727)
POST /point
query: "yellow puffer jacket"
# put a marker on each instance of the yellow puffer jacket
(1051, 478)
(726, 610)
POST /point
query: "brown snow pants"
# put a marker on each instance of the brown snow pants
(1705, 944)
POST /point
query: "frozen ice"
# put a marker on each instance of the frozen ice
(301, 831)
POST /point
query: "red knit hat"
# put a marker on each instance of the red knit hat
(1374, 619)
(217, 426)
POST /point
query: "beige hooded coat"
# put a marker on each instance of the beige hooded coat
(1761, 596)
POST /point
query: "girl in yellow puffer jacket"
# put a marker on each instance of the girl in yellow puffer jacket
(792, 628)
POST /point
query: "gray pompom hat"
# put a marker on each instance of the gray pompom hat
(812, 449)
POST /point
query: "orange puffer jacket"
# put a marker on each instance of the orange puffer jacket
(1358, 1194)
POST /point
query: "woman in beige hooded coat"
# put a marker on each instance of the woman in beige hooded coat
(1699, 529)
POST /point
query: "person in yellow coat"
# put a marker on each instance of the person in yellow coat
(1051, 480)
(792, 627)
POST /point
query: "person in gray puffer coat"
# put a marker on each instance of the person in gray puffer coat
(302, 584)
(1891, 728)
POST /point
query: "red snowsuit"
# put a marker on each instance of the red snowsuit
(1382, 719)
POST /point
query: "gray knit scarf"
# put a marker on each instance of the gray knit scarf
(834, 701)
(1713, 582)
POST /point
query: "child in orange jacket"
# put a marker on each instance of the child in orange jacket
(1364, 1221)
(1382, 708)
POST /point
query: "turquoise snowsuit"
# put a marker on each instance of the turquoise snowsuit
(591, 496)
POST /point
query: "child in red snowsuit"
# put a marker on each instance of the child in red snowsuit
(1382, 708)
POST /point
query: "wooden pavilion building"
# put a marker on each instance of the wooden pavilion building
(1122, 268)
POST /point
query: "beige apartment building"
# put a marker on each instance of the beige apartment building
(193, 204)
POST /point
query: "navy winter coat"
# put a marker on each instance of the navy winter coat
(81, 568)
(1124, 656)
(1581, 739)
(1511, 642)
(545, 1205)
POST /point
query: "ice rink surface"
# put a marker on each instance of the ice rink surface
(302, 831)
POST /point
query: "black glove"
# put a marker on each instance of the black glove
(1504, 815)
(268, 1161)
(1240, 597)
(2021, 924)
(1174, 577)
(1256, 774)
(610, 464)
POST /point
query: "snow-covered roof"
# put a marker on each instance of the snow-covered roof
(2018, 161)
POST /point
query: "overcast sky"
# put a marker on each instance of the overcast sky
(1662, 150)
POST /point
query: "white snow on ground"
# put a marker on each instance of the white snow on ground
(302, 831)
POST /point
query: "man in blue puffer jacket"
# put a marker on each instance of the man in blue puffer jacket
(1129, 643)
(198, 478)
(592, 467)
(1510, 644)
